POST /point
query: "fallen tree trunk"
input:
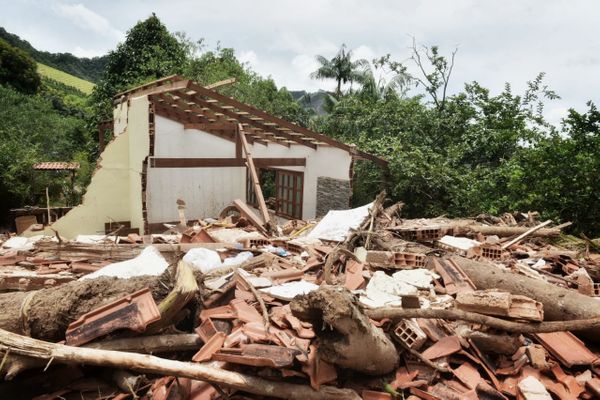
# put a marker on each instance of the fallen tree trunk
(559, 304)
(46, 313)
(493, 322)
(26, 346)
(505, 231)
(346, 336)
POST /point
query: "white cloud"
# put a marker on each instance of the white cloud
(89, 53)
(87, 19)
(249, 57)
(500, 40)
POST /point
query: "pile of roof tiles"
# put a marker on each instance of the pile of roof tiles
(245, 322)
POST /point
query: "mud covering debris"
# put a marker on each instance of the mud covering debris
(361, 304)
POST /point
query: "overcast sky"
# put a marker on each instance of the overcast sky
(498, 41)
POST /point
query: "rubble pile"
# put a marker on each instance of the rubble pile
(362, 304)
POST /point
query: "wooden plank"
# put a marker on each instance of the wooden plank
(257, 189)
(149, 84)
(211, 125)
(224, 162)
(168, 87)
(247, 213)
(222, 83)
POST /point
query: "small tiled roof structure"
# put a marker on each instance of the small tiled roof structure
(56, 166)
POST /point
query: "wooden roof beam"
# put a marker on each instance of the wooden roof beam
(243, 119)
(175, 101)
(223, 114)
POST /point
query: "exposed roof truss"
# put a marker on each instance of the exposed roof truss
(199, 106)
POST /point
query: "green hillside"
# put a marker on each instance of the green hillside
(63, 77)
(89, 69)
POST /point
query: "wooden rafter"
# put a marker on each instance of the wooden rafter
(267, 118)
(250, 123)
(211, 109)
(193, 120)
(158, 82)
(256, 122)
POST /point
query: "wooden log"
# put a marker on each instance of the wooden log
(46, 313)
(503, 231)
(525, 234)
(346, 336)
(16, 364)
(396, 314)
(29, 347)
(559, 304)
(185, 289)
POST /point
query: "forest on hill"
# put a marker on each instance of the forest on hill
(457, 154)
(89, 69)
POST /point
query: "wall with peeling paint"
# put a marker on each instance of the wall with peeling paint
(114, 192)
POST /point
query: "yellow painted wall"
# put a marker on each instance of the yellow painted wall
(115, 191)
(107, 195)
(139, 146)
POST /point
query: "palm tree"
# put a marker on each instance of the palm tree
(380, 88)
(341, 68)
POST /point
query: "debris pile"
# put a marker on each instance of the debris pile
(362, 304)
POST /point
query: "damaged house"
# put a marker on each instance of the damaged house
(175, 139)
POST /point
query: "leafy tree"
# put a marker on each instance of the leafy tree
(559, 175)
(33, 130)
(341, 68)
(149, 52)
(455, 160)
(17, 69)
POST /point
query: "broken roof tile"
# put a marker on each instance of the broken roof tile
(133, 312)
(245, 312)
(444, 347)
(210, 348)
(567, 348)
(258, 355)
(354, 278)
(222, 312)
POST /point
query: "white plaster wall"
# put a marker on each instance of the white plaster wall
(323, 161)
(206, 191)
(171, 140)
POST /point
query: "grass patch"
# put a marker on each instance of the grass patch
(63, 77)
